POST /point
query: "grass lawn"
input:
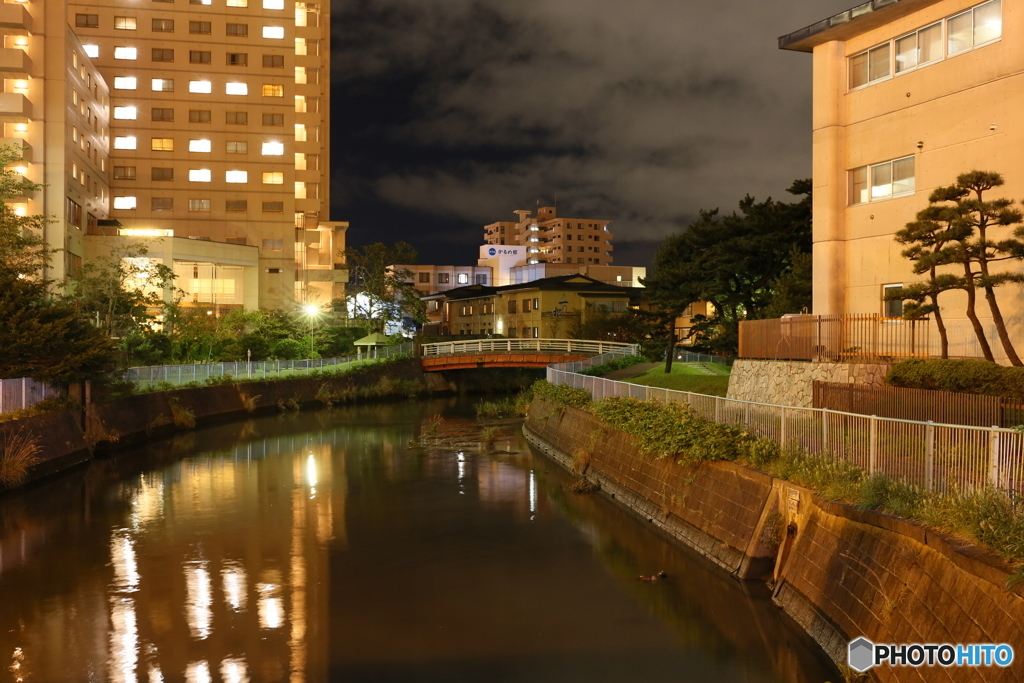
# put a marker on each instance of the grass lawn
(685, 377)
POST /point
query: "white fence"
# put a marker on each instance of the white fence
(934, 457)
(21, 393)
(566, 346)
(177, 375)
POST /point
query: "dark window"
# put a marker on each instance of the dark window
(199, 27)
(74, 211)
(199, 57)
(87, 20)
(124, 173)
(199, 205)
(892, 308)
(273, 61)
(162, 174)
(238, 59)
(162, 55)
(163, 114)
(199, 116)
(425, 278)
(162, 203)
(163, 25)
(237, 240)
(273, 119)
(512, 306)
(237, 29)
(273, 207)
(236, 205)
(237, 117)
(443, 278)
(273, 271)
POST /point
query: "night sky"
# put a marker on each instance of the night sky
(450, 114)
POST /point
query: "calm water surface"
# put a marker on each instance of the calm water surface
(321, 547)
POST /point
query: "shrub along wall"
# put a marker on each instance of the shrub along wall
(840, 572)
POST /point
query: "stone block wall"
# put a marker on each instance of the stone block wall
(791, 383)
(840, 573)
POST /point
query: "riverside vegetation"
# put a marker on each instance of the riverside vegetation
(987, 516)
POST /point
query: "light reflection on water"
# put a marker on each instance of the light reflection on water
(317, 546)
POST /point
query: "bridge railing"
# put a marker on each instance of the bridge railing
(934, 457)
(570, 347)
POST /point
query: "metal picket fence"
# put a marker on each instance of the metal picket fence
(178, 375)
(935, 457)
(567, 346)
(22, 393)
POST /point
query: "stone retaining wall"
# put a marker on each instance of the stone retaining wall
(839, 572)
(791, 383)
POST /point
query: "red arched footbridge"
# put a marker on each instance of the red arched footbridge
(510, 353)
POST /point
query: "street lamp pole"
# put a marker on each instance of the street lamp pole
(311, 311)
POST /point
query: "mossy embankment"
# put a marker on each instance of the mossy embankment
(840, 570)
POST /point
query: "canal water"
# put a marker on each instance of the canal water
(329, 546)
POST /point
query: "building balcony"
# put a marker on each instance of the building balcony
(15, 105)
(16, 17)
(14, 60)
(18, 143)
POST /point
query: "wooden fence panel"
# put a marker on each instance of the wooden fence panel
(922, 405)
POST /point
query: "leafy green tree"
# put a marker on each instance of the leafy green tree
(379, 292)
(40, 337)
(122, 291)
(734, 262)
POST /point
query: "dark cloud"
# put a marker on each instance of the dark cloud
(449, 114)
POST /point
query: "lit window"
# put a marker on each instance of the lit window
(273, 149)
(125, 142)
(199, 204)
(236, 176)
(199, 146)
(237, 147)
(273, 4)
(124, 82)
(300, 103)
(882, 181)
(92, 50)
(237, 3)
(162, 85)
(273, 178)
(129, 113)
(200, 86)
(273, 32)
(199, 175)
(236, 88)
(273, 90)
(300, 132)
(300, 161)
(124, 202)
(300, 46)
(125, 23)
(126, 53)
(300, 190)
(162, 144)
(300, 74)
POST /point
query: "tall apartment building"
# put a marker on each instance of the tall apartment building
(550, 238)
(54, 107)
(219, 134)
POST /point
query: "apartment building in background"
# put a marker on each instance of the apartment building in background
(550, 238)
(218, 134)
(908, 94)
(54, 108)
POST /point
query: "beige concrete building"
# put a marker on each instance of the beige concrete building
(550, 238)
(54, 106)
(907, 95)
(218, 132)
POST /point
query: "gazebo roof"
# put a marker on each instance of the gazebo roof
(375, 339)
